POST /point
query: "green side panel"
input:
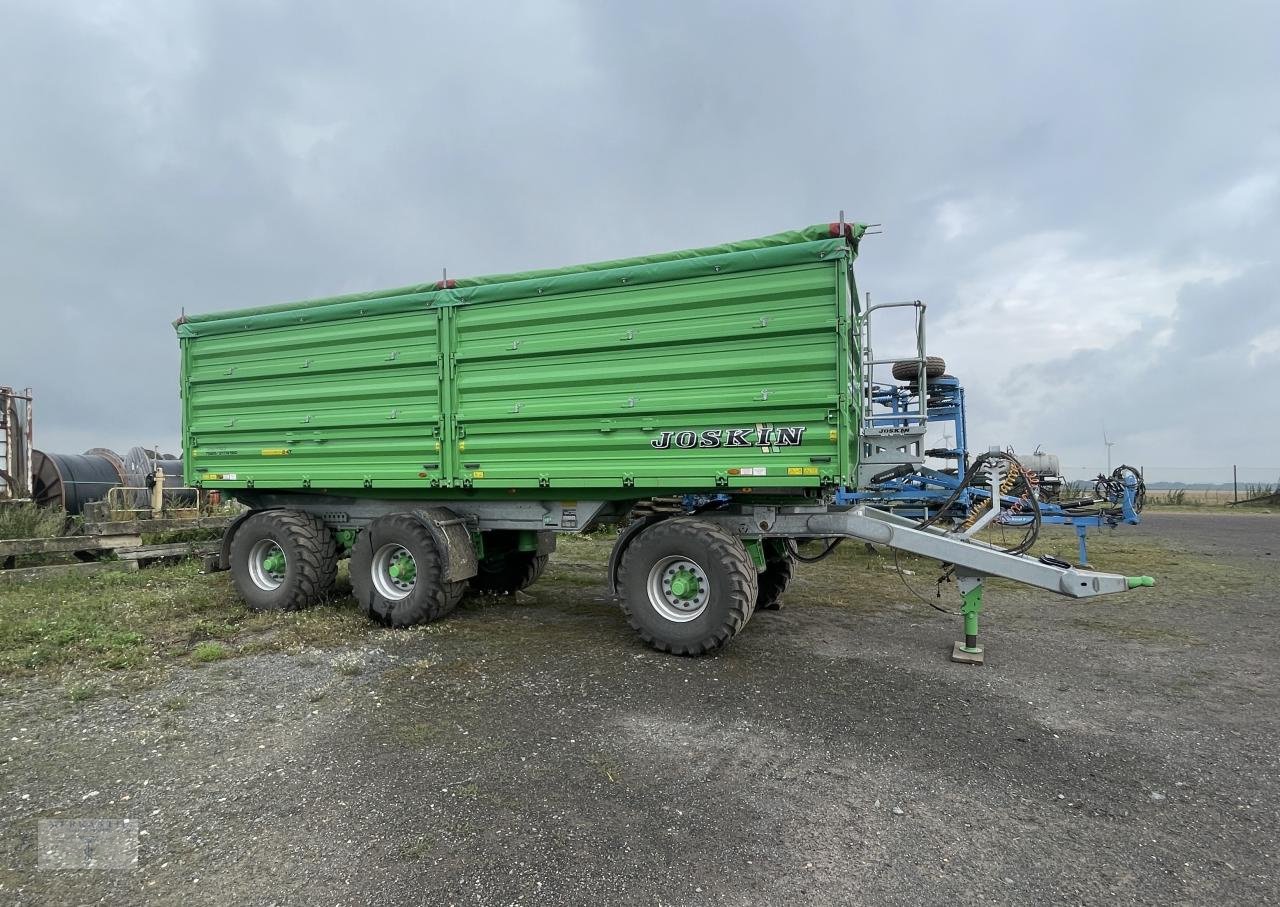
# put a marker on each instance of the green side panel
(729, 382)
(336, 405)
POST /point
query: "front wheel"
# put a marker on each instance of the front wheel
(283, 560)
(688, 586)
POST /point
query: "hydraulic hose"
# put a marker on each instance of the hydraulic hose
(1112, 487)
(1017, 474)
(794, 549)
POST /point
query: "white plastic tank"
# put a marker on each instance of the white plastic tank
(1042, 464)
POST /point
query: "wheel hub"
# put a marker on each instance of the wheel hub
(684, 584)
(678, 588)
(403, 568)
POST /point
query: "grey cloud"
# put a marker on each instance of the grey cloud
(1191, 389)
(206, 156)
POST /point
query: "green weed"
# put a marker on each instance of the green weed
(210, 651)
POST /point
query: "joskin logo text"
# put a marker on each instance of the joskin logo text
(765, 436)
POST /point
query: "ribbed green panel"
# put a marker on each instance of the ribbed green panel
(571, 393)
(333, 405)
(562, 382)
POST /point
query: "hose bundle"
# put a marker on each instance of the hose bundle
(1017, 481)
(1112, 487)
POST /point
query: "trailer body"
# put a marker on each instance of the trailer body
(721, 369)
(441, 434)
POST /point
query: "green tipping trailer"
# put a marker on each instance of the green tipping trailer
(441, 434)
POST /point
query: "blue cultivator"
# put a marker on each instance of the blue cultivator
(952, 496)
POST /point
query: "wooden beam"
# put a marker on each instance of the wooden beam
(66, 543)
(28, 574)
(164, 525)
(177, 549)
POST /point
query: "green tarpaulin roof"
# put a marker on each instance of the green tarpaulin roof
(790, 247)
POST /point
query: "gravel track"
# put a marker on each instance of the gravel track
(529, 750)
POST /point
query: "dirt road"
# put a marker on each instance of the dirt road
(529, 750)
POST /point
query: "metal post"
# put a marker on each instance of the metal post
(1235, 484)
(157, 494)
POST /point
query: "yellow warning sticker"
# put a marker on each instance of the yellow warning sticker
(832, 435)
(276, 451)
(212, 476)
(802, 470)
(478, 474)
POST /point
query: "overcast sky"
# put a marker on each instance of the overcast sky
(1086, 195)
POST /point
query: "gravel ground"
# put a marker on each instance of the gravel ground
(529, 750)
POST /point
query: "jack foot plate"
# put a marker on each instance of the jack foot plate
(966, 656)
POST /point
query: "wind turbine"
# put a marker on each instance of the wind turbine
(1107, 441)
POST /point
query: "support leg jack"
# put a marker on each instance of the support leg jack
(1081, 533)
(968, 651)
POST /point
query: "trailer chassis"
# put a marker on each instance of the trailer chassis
(970, 559)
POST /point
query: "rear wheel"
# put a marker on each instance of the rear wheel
(779, 570)
(509, 572)
(397, 573)
(688, 587)
(283, 560)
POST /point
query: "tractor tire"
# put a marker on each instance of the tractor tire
(397, 574)
(779, 570)
(283, 560)
(508, 573)
(909, 369)
(688, 586)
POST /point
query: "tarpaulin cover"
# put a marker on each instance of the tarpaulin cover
(778, 249)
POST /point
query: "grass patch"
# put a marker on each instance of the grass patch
(422, 734)
(130, 622)
(82, 692)
(1132, 630)
(210, 651)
